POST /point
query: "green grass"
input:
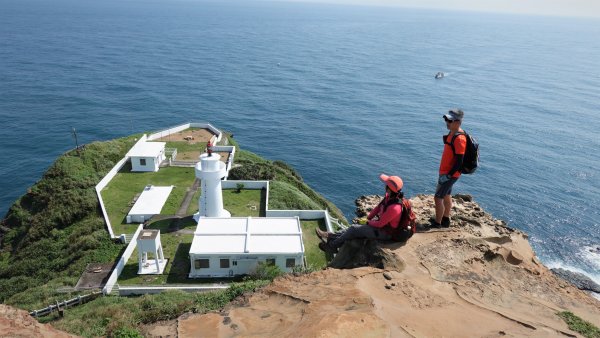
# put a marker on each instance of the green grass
(245, 203)
(579, 325)
(238, 204)
(185, 147)
(120, 192)
(193, 207)
(41, 296)
(283, 195)
(106, 316)
(315, 258)
(287, 190)
(176, 248)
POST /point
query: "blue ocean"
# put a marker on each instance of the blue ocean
(342, 93)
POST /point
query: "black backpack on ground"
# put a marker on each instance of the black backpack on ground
(471, 157)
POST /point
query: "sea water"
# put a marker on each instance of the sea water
(342, 93)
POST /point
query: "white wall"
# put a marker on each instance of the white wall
(168, 132)
(112, 280)
(185, 126)
(142, 290)
(102, 184)
(251, 185)
(302, 214)
(231, 151)
(242, 267)
(138, 218)
(210, 127)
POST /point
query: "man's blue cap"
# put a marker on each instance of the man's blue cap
(454, 114)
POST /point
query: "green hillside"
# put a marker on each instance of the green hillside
(53, 231)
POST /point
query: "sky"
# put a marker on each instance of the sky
(586, 8)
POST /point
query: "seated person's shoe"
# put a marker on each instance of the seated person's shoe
(327, 248)
(323, 235)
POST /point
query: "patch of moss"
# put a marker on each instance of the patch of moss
(579, 325)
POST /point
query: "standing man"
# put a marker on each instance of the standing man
(455, 144)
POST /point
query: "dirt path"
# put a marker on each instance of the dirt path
(190, 136)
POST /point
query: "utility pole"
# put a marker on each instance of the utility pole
(76, 142)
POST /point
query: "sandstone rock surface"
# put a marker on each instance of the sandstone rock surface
(18, 323)
(478, 278)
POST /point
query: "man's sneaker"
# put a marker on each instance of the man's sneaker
(446, 222)
(434, 225)
(327, 248)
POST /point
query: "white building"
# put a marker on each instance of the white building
(150, 203)
(147, 156)
(234, 246)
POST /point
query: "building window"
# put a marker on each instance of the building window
(201, 264)
(224, 263)
(270, 261)
(290, 262)
(142, 161)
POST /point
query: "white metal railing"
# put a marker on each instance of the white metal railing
(172, 152)
(61, 306)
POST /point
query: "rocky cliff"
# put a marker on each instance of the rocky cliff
(477, 278)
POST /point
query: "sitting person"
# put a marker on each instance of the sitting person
(379, 222)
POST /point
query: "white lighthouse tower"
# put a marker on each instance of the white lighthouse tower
(210, 170)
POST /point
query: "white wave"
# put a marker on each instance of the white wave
(592, 254)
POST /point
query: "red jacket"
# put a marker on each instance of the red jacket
(391, 216)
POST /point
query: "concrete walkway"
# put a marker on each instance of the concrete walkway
(188, 198)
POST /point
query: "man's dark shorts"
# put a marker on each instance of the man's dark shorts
(445, 189)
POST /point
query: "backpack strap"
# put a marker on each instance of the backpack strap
(451, 144)
(401, 202)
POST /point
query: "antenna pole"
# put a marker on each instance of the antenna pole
(76, 142)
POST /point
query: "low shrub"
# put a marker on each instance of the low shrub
(265, 271)
(126, 332)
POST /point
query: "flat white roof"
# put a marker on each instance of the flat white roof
(147, 149)
(151, 200)
(247, 235)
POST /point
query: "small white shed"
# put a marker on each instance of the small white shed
(234, 246)
(147, 156)
(150, 203)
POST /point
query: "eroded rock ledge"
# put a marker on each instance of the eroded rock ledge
(18, 323)
(478, 278)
